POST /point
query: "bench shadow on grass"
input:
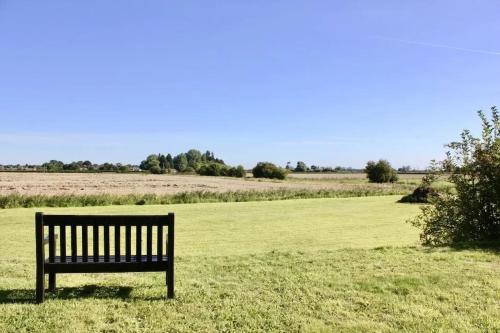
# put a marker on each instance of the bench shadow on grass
(488, 246)
(90, 291)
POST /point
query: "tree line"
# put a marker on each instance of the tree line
(80, 166)
(192, 161)
(207, 164)
(301, 166)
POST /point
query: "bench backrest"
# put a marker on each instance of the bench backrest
(127, 233)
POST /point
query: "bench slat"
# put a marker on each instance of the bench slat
(138, 243)
(52, 244)
(101, 267)
(106, 243)
(117, 243)
(62, 243)
(103, 220)
(101, 260)
(128, 241)
(159, 242)
(149, 241)
(96, 243)
(73, 243)
(85, 243)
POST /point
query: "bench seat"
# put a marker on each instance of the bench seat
(102, 266)
(110, 260)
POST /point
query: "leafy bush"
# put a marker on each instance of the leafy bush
(268, 170)
(212, 169)
(301, 167)
(156, 170)
(53, 166)
(189, 170)
(193, 157)
(150, 162)
(218, 169)
(238, 171)
(380, 172)
(472, 212)
(180, 162)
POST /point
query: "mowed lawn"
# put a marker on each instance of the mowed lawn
(296, 265)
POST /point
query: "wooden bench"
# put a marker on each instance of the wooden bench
(91, 259)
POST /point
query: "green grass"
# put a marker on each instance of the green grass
(26, 201)
(298, 265)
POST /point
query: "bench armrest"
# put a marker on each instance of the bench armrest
(46, 239)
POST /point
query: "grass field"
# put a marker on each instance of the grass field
(24, 190)
(123, 184)
(297, 265)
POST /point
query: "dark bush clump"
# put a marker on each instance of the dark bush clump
(268, 170)
(422, 194)
(380, 172)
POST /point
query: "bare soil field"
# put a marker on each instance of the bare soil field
(112, 183)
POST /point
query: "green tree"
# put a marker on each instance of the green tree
(213, 169)
(268, 170)
(471, 213)
(239, 172)
(405, 169)
(163, 161)
(180, 162)
(53, 166)
(169, 162)
(380, 172)
(87, 165)
(301, 167)
(151, 161)
(193, 157)
(208, 156)
(156, 170)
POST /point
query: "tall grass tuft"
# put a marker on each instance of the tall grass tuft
(26, 201)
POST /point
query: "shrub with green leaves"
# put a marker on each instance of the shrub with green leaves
(301, 167)
(471, 213)
(238, 171)
(180, 162)
(219, 169)
(157, 170)
(268, 170)
(189, 170)
(380, 172)
(212, 169)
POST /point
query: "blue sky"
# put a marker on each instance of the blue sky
(327, 82)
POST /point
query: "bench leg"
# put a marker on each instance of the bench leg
(170, 284)
(52, 281)
(40, 277)
(40, 286)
